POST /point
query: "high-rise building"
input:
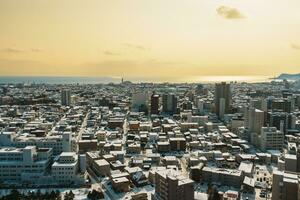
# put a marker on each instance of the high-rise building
(139, 100)
(65, 97)
(285, 186)
(169, 102)
(222, 98)
(298, 159)
(155, 104)
(256, 120)
(281, 120)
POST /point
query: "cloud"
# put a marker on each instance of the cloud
(135, 46)
(295, 46)
(229, 13)
(13, 50)
(36, 50)
(111, 53)
(162, 62)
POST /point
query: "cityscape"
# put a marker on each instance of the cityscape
(149, 100)
(151, 141)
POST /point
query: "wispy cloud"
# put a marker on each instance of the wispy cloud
(164, 62)
(136, 46)
(111, 53)
(36, 50)
(295, 46)
(229, 13)
(14, 50)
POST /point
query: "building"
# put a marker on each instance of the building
(154, 104)
(101, 167)
(170, 184)
(177, 144)
(87, 145)
(222, 98)
(65, 169)
(254, 121)
(290, 162)
(271, 139)
(285, 186)
(65, 97)
(227, 177)
(281, 120)
(59, 143)
(169, 103)
(28, 165)
(139, 99)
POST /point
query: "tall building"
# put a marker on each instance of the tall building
(256, 120)
(171, 185)
(285, 186)
(154, 104)
(139, 100)
(169, 102)
(281, 120)
(271, 139)
(65, 97)
(222, 98)
(298, 159)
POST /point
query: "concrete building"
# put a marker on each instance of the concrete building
(59, 143)
(177, 144)
(25, 165)
(139, 99)
(222, 98)
(227, 177)
(169, 103)
(65, 169)
(154, 104)
(285, 186)
(101, 167)
(170, 184)
(254, 121)
(65, 97)
(271, 139)
(290, 162)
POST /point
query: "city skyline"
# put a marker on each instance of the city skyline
(162, 39)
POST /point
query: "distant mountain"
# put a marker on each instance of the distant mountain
(289, 76)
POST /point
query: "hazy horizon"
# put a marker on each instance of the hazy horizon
(107, 79)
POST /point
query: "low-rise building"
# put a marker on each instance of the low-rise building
(65, 169)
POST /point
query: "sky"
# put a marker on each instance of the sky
(149, 38)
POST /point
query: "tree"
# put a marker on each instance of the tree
(95, 195)
(69, 196)
(14, 195)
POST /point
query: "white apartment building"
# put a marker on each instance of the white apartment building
(28, 165)
(271, 139)
(59, 143)
(65, 169)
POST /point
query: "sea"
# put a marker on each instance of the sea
(105, 80)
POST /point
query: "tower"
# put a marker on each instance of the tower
(65, 97)
(222, 98)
